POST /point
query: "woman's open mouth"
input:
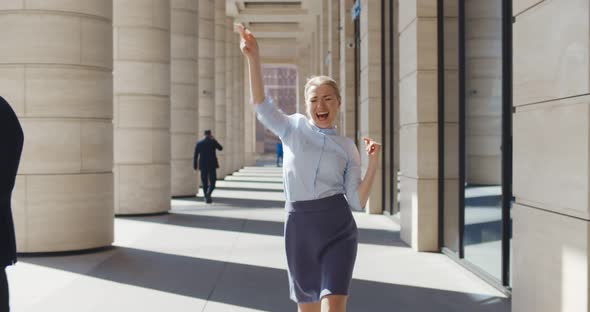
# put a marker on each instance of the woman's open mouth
(322, 116)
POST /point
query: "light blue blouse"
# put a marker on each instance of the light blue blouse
(317, 162)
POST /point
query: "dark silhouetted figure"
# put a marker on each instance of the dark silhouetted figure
(11, 142)
(205, 160)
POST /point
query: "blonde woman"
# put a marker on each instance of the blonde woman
(322, 178)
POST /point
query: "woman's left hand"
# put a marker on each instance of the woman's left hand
(373, 148)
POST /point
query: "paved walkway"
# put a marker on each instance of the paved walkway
(228, 256)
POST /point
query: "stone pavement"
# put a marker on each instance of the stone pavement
(228, 256)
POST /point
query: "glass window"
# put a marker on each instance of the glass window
(476, 124)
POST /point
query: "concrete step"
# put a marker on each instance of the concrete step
(254, 179)
(257, 174)
(228, 184)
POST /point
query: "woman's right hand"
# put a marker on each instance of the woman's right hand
(248, 43)
(372, 148)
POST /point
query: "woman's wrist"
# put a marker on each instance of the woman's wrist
(373, 162)
(254, 60)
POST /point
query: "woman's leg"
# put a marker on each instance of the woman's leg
(334, 303)
(309, 307)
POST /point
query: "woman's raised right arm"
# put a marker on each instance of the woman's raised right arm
(268, 114)
(249, 48)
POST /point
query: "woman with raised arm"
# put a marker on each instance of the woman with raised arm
(322, 178)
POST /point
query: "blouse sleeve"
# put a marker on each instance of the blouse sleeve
(273, 118)
(352, 177)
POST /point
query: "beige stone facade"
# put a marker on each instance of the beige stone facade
(551, 216)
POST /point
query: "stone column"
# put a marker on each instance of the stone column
(220, 85)
(206, 48)
(551, 156)
(229, 147)
(347, 115)
(333, 37)
(56, 73)
(303, 65)
(315, 54)
(244, 98)
(333, 66)
(237, 102)
(370, 89)
(418, 115)
(324, 37)
(184, 95)
(142, 106)
(249, 120)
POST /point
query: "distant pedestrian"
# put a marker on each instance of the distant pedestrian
(205, 160)
(11, 140)
(279, 153)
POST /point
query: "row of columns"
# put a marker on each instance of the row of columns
(112, 96)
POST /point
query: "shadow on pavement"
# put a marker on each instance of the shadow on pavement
(232, 188)
(258, 287)
(366, 236)
(237, 202)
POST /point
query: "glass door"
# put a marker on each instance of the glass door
(388, 107)
(449, 125)
(482, 119)
(476, 141)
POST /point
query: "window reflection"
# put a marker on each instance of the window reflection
(451, 126)
(479, 216)
(483, 135)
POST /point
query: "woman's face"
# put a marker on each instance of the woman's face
(322, 105)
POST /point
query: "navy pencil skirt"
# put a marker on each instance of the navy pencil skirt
(321, 241)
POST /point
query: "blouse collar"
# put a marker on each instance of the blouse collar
(328, 131)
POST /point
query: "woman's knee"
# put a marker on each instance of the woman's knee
(334, 303)
(309, 307)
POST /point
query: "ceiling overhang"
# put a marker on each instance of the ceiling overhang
(281, 26)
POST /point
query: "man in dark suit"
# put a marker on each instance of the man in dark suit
(11, 142)
(205, 160)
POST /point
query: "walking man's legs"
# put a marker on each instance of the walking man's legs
(212, 180)
(205, 182)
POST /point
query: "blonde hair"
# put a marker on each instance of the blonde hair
(316, 81)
